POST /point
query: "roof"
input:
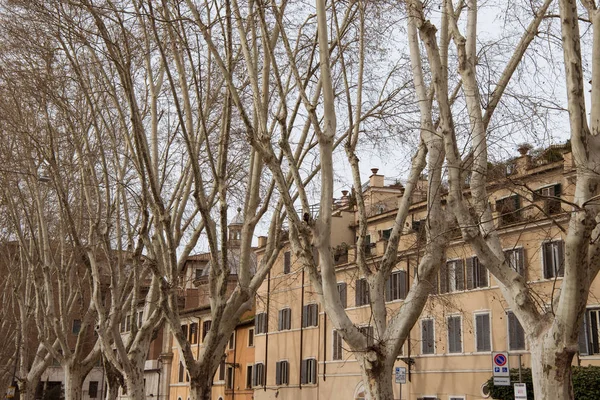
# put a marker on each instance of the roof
(238, 219)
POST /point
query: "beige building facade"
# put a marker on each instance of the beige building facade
(298, 355)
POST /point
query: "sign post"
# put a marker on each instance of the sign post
(520, 391)
(500, 369)
(400, 377)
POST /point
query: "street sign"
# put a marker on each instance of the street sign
(500, 364)
(501, 381)
(400, 373)
(520, 391)
(10, 393)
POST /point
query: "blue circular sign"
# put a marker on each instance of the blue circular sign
(499, 359)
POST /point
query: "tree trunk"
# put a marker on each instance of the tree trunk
(377, 376)
(134, 381)
(200, 387)
(73, 382)
(551, 367)
(27, 388)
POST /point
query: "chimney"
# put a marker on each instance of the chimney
(523, 163)
(262, 241)
(376, 180)
(344, 200)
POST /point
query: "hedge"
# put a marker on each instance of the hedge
(586, 384)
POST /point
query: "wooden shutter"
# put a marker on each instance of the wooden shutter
(280, 320)
(427, 336)
(470, 272)
(582, 339)
(389, 287)
(286, 262)
(548, 260)
(303, 372)
(314, 314)
(482, 322)
(403, 282)
(560, 268)
(278, 373)
(444, 278)
(342, 290)
(482, 275)
(459, 273)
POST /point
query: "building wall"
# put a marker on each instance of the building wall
(444, 374)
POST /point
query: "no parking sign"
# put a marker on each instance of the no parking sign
(501, 369)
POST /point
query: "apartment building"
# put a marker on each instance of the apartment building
(298, 354)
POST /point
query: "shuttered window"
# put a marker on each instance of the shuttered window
(395, 286)
(285, 319)
(554, 259)
(516, 334)
(516, 259)
(287, 263)
(477, 275)
(454, 335)
(361, 293)
(310, 315)
(343, 292)
(427, 337)
(249, 376)
(308, 373)
(482, 332)
(589, 338)
(452, 276)
(260, 323)
(282, 373)
(337, 346)
(259, 374)
(205, 328)
(193, 333)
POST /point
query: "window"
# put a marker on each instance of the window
(554, 259)
(206, 328)
(516, 334)
(199, 273)
(368, 246)
(516, 259)
(452, 277)
(368, 332)
(343, 292)
(139, 319)
(337, 346)
(308, 373)
(194, 333)
(509, 210)
(386, 233)
(251, 337)
(550, 195)
(285, 319)
(128, 323)
(310, 315)
(249, 376)
(229, 378)
(482, 332)
(588, 335)
(427, 337)
(231, 344)
(395, 286)
(259, 374)
(287, 263)
(454, 335)
(181, 372)
(184, 329)
(282, 373)
(361, 293)
(260, 323)
(477, 275)
(222, 367)
(93, 389)
(76, 326)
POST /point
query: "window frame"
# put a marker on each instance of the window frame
(337, 348)
(460, 332)
(476, 267)
(361, 293)
(249, 376)
(284, 319)
(205, 323)
(310, 315)
(251, 337)
(433, 349)
(508, 338)
(282, 373)
(287, 262)
(261, 325)
(556, 273)
(342, 288)
(401, 290)
(308, 372)
(476, 331)
(520, 251)
(258, 371)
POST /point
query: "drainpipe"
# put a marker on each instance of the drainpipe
(267, 331)
(301, 330)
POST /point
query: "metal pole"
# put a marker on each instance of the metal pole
(520, 375)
